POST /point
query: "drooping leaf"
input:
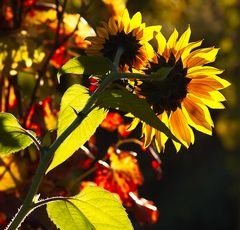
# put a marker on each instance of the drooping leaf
(75, 98)
(86, 65)
(93, 208)
(13, 137)
(128, 102)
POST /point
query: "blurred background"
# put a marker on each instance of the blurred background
(199, 187)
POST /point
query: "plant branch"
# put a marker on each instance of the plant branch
(57, 44)
(130, 140)
(48, 152)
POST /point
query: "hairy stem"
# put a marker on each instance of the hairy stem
(47, 154)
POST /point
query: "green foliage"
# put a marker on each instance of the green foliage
(13, 137)
(73, 100)
(128, 102)
(86, 65)
(93, 208)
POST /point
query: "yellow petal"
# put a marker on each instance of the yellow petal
(136, 21)
(180, 128)
(149, 33)
(148, 133)
(183, 40)
(202, 58)
(214, 81)
(133, 124)
(161, 40)
(172, 39)
(195, 116)
(112, 26)
(203, 106)
(126, 21)
(189, 48)
(160, 137)
(209, 102)
(203, 70)
(177, 145)
(216, 95)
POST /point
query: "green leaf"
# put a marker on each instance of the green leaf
(13, 137)
(74, 100)
(93, 208)
(125, 101)
(86, 65)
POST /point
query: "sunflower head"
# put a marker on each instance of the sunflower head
(129, 34)
(182, 99)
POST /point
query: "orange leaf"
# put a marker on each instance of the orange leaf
(121, 176)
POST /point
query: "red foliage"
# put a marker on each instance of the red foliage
(29, 3)
(112, 121)
(42, 117)
(121, 176)
(60, 57)
(3, 219)
(144, 210)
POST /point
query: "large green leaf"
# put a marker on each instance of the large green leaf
(86, 65)
(13, 137)
(93, 208)
(75, 98)
(128, 102)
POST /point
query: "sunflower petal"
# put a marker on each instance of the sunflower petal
(161, 40)
(214, 81)
(203, 70)
(148, 133)
(160, 137)
(133, 124)
(112, 26)
(196, 117)
(180, 128)
(183, 40)
(136, 21)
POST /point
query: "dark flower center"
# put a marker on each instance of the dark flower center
(167, 94)
(128, 42)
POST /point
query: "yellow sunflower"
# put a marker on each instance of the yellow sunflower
(183, 98)
(129, 34)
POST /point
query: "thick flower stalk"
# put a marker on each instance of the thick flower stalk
(182, 99)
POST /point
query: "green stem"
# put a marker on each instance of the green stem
(26, 208)
(47, 153)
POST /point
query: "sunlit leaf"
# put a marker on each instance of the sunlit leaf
(93, 208)
(128, 102)
(12, 136)
(9, 173)
(86, 65)
(75, 98)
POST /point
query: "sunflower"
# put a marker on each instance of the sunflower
(129, 34)
(182, 99)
